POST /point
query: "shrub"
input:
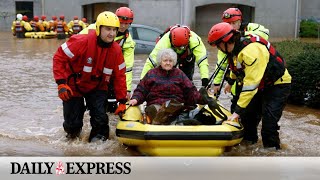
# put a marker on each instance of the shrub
(309, 28)
(303, 60)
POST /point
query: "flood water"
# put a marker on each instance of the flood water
(31, 112)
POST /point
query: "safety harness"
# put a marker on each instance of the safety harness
(275, 68)
(60, 28)
(76, 28)
(122, 39)
(34, 26)
(18, 27)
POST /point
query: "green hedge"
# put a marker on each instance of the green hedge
(309, 28)
(303, 63)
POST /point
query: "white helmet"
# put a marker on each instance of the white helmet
(19, 17)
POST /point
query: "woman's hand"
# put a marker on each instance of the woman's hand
(234, 117)
(133, 102)
(216, 89)
(227, 88)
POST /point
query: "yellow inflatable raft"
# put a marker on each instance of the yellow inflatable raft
(40, 35)
(178, 140)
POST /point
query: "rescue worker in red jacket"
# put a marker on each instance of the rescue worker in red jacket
(82, 68)
(266, 81)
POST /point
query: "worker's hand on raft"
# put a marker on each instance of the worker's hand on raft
(65, 92)
(216, 89)
(234, 117)
(133, 102)
(227, 88)
(128, 95)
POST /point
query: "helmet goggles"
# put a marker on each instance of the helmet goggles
(218, 41)
(180, 47)
(125, 18)
(228, 15)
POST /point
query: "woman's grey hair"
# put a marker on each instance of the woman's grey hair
(168, 53)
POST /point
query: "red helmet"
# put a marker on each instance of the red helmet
(75, 18)
(231, 15)
(36, 18)
(125, 15)
(54, 18)
(179, 36)
(84, 20)
(43, 17)
(25, 18)
(61, 17)
(221, 32)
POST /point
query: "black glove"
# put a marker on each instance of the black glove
(205, 82)
(230, 81)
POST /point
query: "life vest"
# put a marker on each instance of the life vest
(76, 28)
(18, 27)
(34, 26)
(86, 79)
(122, 39)
(51, 25)
(60, 28)
(275, 68)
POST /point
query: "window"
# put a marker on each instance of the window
(25, 8)
(147, 34)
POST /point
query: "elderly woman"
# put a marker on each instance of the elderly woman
(164, 83)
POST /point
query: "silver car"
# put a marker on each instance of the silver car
(145, 37)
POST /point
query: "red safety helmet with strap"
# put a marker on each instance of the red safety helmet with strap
(36, 18)
(231, 15)
(25, 18)
(125, 15)
(54, 18)
(221, 32)
(43, 17)
(61, 17)
(84, 20)
(179, 35)
(75, 18)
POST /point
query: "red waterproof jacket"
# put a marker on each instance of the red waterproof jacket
(85, 66)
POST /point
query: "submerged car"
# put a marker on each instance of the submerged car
(145, 37)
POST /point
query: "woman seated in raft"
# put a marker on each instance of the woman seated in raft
(165, 83)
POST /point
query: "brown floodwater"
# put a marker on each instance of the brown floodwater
(31, 113)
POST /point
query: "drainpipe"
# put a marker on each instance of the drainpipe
(185, 12)
(181, 11)
(42, 9)
(297, 19)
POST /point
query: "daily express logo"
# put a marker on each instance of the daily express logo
(71, 168)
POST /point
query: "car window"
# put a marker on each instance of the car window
(133, 32)
(147, 34)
